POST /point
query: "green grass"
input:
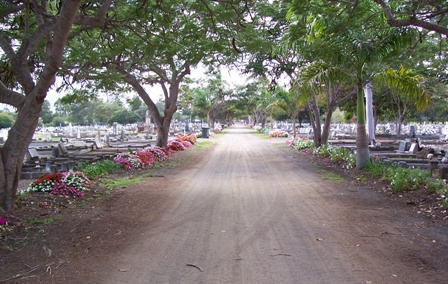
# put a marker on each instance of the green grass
(38, 221)
(261, 135)
(326, 175)
(120, 183)
(203, 145)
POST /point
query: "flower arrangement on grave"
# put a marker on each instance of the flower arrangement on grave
(190, 138)
(129, 161)
(176, 145)
(299, 143)
(278, 133)
(62, 183)
(158, 153)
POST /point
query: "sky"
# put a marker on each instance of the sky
(231, 76)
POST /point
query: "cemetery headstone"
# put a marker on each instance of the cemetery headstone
(414, 148)
(32, 154)
(98, 144)
(412, 131)
(401, 147)
(122, 137)
(115, 129)
(62, 150)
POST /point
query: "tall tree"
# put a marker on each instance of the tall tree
(319, 79)
(212, 98)
(158, 43)
(33, 35)
(407, 90)
(358, 35)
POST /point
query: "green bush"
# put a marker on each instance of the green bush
(93, 170)
(338, 154)
(6, 120)
(322, 150)
(407, 179)
(300, 144)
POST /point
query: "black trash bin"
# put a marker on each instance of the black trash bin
(205, 132)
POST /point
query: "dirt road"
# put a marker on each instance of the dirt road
(247, 211)
(252, 213)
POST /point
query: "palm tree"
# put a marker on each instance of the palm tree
(290, 103)
(407, 89)
(321, 79)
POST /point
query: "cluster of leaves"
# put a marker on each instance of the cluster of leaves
(440, 187)
(407, 179)
(93, 170)
(262, 129)
(337, 154)
(278, 133)
(300, 143)
(62, 183)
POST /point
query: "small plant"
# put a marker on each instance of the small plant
(64, 183)
(5, 222)
(300, 143)
(190, 138)
(278, 133)
(350, 161)
(129, 161)
(176, 145)
(263, 130)
(407, 179)
(338, 155)
(322, 150)
(97, 169)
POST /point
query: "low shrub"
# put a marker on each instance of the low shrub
(101, 168)
(63, 183)
(278, 133)
(408, 179)
(300, 143)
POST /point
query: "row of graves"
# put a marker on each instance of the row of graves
(59, 149)
(419, 146)
(423, 146)
(50, 156)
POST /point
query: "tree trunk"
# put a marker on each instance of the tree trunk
(398, 125)
(327, 124)
(19, 137)
(314, 115)
(362, 144)
(263, 122)
(294, 130)
(163, 131)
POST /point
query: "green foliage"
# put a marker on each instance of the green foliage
(378, 169)
(407, 179)
(401, 179)
(322, 150)
(337, 154)
(263, 130)
(46, 114)
(98, 169)
(59, 121)
(124, 117)
(300, 144)
(6, 120)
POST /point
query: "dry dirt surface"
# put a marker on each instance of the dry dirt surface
(242, 211)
